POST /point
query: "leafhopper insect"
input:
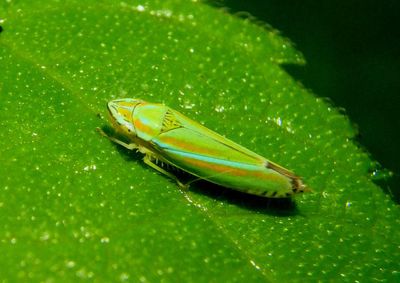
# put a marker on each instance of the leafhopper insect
(166, 136)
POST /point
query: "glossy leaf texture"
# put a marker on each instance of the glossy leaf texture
(75, 206)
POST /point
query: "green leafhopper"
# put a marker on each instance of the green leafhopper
(163, 134)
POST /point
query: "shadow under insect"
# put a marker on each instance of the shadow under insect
(271, 206)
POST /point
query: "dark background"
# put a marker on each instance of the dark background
(352, 50)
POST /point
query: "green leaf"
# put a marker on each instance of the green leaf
(73, 205)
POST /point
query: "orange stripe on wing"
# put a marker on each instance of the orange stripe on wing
(190, 147)
(219, 168)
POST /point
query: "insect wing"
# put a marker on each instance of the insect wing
(204, 153)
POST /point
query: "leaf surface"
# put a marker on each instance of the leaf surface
(73, 205)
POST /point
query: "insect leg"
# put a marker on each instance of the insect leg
(130, 146)
(148, 161)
